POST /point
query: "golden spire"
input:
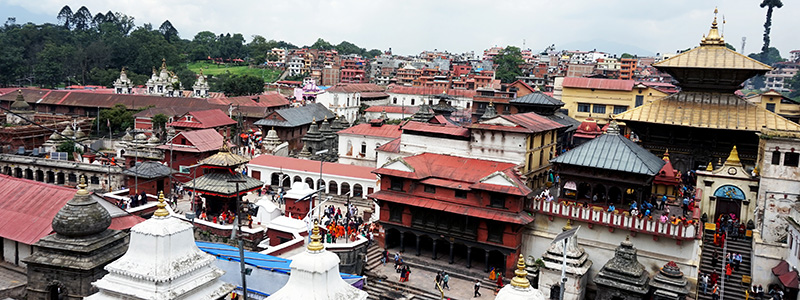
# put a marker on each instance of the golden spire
(82, 187)
(710, 167)
(164, 60)
(713, 38)
(568, 226)
(314, 120)
(316, 239)
(666, 155)
(161, 211)
(521, 278)
(733, 158)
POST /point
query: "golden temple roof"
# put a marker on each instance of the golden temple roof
(224, 158)
(707, 110)
(713, 38)
(733, 158)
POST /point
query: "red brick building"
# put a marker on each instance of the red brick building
(189, 147)
(204, 119)
(463, 209)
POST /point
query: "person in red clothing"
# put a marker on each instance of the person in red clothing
(728, 270)
(714, 278)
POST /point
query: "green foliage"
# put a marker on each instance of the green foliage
(218, 72)
(770, 5)
(69, 147)
(160, 122)
(321, 45)
(772, 56)
(794, 85)
(373, 53)
(730, 46)
(298, 77)
(119, 116)
(508, 62)
(241, 85)
(626, 55)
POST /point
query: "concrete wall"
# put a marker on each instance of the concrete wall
(405, 100)
(778, 189)
(600, 244)
(765, 257)
(351, 144)
(417, 144)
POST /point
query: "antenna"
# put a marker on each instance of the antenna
(723, 25)
(744, 41)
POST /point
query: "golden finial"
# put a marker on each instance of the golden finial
(568, 226)
(224, 147)
(521, 278)
(710, 167)
(326, 119)
(713, 38)
(314, 120)
(316, 239)
(733, 158)
(666, 155)
(161, 211)
(82, 186)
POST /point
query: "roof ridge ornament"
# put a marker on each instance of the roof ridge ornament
(82, 186)
(161, 211)
(713, 38)
(613, 128)
(521, 278)
(316, 239)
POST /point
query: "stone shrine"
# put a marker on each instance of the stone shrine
(200, 86)
(623, 277)
(20, 109)
(578, 265)
(669, 283)
(67, 261)
(162, 262)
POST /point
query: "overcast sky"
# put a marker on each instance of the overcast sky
(411, 26)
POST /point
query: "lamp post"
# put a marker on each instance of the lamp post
(564, 236)
(238, 228)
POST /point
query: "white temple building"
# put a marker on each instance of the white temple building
(164, 83)
(315, 275)
(200, 86)
(123, 84)
(520, 288)
(162, 262)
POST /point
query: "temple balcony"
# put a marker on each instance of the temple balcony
(595, 215)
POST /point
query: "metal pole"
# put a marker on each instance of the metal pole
(241, 243)
(563, 271)
(724, 250)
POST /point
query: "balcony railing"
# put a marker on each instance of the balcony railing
(615, 220)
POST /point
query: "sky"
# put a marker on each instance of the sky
(409, 27)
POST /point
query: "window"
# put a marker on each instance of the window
(771, 107)
(497, 200)
(776, 158)
(599, 108)
(639, 100)
(395, 213)
(619, 109)
(396, 184)
(394, 101)
(791, 159)
(363, 148)
(430, 189)
(495, 232)
(583, 107)
(461, 194)
(412, 101)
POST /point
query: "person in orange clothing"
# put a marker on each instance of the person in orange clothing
(728, 270)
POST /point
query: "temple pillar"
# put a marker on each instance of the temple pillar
(434, 249)
(486, 261)
(402, 242)
(469, 257)
(417, 245)
(451, 252)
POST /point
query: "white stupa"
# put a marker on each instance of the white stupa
(315, 275)
(520, 288)
(162, 262)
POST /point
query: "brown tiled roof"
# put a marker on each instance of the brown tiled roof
(203, 140)
(387, 131)
(211, 118)
(707, 110)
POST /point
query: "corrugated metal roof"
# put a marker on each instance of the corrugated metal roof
(374, 95)
(478, 212)
(533, 122)
(712, 57)
(304, 165)
(386, 131)
(565, 120)
(418, 90)
(211, 118)
(537, 98)
(355, 88)
(445, 129)
(391, 147)
(707, 110)
(148, 169)
(224, 158)
(597, 83)
(297, 116)
(612, 152)
(202, 140)
(27, 208)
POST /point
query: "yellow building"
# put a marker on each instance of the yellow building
(600, 98)
(777, 103)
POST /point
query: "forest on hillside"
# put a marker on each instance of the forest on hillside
(82, 48)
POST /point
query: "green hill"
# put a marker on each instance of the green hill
(269, 75)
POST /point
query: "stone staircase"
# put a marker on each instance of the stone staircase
(734, 288)
(376, 286)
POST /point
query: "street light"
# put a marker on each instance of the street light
(565, 235)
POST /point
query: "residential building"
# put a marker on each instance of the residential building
(776, 102)
(358, 144)
(204, 119)
(405, 96)
(778, 78)
(187, 148)
(627, 68)
(472, 206)
(579, 70)
(601, 98)
(291, 124)
(340, 180)
(346, 98)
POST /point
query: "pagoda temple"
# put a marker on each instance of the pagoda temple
(667, 180)
(669, 283)
(315, 275)
(66, 262)
(705, 119)
(215, 185)
(162, 262)
(520, 288)
(623, 277)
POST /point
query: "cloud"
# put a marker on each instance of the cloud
(411, 26)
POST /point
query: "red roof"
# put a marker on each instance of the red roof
(271, 99)
(391, 147)
(355, 88)
(597, 83)
(418, 90)
(787, 276)
(288, 163)
(667, 175)
(374, 95)
(203, 140)
(203, 119)
(387, 131)
(125, 222)
(409, 110)
(527, 122)
(445, 129)
(589, 128)
(484, 213)
(464, 171)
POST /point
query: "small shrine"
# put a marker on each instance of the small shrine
(520, 288)
(587, 131)
(66, 262)
(623, 277)
(148, 177)
(424, 114)
(162, 262)
(123, 84)
(315, 275)
(728, 189)
(313, 142)
(200, 86)
(20, 109)
(271, 142)
(298, 202)
(667, 180)
(669, 283)
(330, 136)
(489, 113)
(578, 265)
(164, 83)
(215, 185)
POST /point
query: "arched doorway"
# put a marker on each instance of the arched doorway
(310, 182)
(599, 192)
(18, 172)
(614, 195)
(39, 175)
(7, 170)
(358, 191)
(729, 201)
(50, 177)
(333, 188)
(72, 178)
(297, 179)
(584, 191)
(345, 189)
(60, 178)
(29, 174)
(275, 180)
(55, 291)
(392, 238)
(497, 260)
(321, 185)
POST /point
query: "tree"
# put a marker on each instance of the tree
(65, 17)
(69, 147)
(508, 62)
(770, 5)
(373, 53)
(770, 57)
(159, 122)
(242, 85)
(345, 48)
(82, 18)
(794, 85)
(730, 46)
(626, 55)
(169, 32)
(321, 44)
(258, 48)
(118, 116)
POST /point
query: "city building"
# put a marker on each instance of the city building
(204, 119)
(187, 148)
(357, 144)
(776, 102)
(472, 207)
(346, 98)
(599, 99)
(778, 78)
(291, 124)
